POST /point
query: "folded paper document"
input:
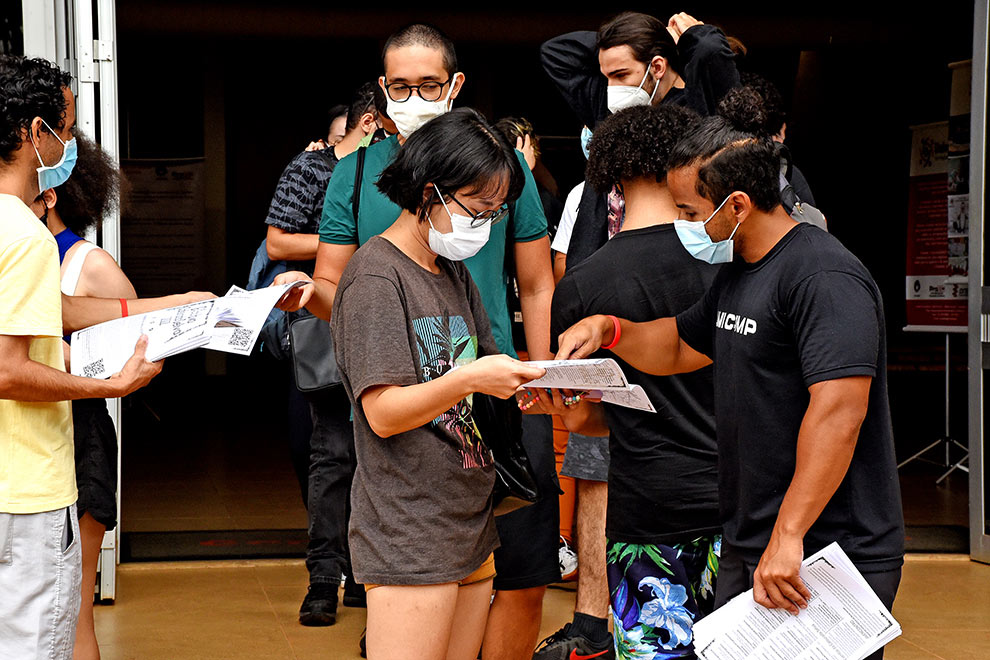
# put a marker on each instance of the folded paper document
(844, 620)
(231, 324)
(604, 375)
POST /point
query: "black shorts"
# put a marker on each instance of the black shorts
(528, 555)
(96, 460)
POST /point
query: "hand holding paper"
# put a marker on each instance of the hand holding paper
(137, 371)
(599, 374)
(777, 581)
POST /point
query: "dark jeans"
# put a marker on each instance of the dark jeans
(300, 431)
(331, 470)
(735, 576)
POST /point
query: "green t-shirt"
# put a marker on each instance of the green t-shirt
(487, 268)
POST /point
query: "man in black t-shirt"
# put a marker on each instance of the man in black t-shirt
(795, 328)
(662, 523)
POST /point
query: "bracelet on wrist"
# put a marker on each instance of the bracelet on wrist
(616, 333)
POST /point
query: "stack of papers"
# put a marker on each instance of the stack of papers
(230, 324)
(603, 375)
(844, 620)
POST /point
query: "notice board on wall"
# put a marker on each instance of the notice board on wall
(163, 225)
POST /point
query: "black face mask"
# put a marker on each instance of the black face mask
(44, 216)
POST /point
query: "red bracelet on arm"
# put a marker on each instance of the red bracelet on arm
(616, 333)
(123, 307)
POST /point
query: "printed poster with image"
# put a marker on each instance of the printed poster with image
(938, 227)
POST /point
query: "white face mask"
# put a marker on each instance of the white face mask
(462, 241)
(412, 113)
(621, 97)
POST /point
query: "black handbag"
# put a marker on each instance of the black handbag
(313, 362)
(500, 423)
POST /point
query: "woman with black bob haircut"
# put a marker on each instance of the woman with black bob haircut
(413, 344)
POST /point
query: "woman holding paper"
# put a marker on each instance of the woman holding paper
(413, 344)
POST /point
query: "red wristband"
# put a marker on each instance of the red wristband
(616, 333)
(123, 307)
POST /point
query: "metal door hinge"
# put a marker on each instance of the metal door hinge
(102, 50)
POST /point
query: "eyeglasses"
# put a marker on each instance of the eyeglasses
(431, 90)
(493, 216)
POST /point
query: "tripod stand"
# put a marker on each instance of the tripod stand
(945, 442)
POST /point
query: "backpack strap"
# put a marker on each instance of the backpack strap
(358, 176)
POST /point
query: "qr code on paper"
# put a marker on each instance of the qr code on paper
(93, 369)
(240, 338)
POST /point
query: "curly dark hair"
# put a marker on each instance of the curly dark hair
(94, 189)
(29, 88)
(457, 149)
(756, 107)
(636, 142)
(729, 160)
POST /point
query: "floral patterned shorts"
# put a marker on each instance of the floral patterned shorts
(657, 592)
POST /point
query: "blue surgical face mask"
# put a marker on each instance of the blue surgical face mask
(695, 239)
(585, 139)
(52, 176)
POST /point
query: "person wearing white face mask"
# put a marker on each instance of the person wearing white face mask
(420, 64)
(794, 326)
(414, 344)
(634, 59)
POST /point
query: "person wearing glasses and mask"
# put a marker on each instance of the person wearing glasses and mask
(421, 81)
(413, 343)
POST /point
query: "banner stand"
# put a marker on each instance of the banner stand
(945, 442)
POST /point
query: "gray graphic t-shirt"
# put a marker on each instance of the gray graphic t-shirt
(421, 509)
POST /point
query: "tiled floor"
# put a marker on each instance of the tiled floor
(248, 610)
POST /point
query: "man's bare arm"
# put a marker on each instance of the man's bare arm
(535, 278)
(653, 347)
(825, 446)
(286, 246)
(80, 312)
(23, 379)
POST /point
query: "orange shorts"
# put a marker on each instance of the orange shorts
(484, 572)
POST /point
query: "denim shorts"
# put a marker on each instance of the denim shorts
(586, 458)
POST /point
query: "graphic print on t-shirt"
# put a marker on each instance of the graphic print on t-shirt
(445, 342)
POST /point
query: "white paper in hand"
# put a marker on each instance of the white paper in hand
(844, 620)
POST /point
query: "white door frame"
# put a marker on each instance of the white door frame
(979, 295)
(83, 41)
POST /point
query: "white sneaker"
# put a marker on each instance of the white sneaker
(568, 560)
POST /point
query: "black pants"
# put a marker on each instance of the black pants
(528, 555)
(735, 576)
(331, 470)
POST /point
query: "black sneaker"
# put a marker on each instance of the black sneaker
(354, 593)
(565, 644)
(319, 607)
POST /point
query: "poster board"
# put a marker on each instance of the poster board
(163, 239)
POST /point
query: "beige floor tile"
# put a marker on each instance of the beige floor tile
(902, 649)
(952, 643)
(282, 573)
(944, 594)
(249, 609)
